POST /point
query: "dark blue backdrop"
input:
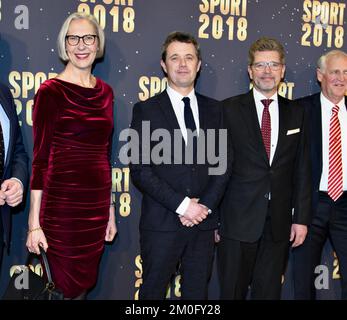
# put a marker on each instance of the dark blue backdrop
(135, 30)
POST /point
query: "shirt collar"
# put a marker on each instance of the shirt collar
(176, 95)
(258, 96)
(327, 103)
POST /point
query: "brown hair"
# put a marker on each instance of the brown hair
(180, 37)
(266, 44)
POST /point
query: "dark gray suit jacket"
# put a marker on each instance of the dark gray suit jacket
(16, 164)
(245, 204)
(313, 112)
(164, 186)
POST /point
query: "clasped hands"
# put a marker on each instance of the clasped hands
(195, 213)
(11, 192)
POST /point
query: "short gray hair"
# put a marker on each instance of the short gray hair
(61, 42)
(321, 63)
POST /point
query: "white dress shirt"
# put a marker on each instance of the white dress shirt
(326, 109)
(274, 115)
(178, 106)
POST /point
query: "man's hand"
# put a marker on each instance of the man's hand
(196, 212)
(186, 222)
(216, 236)
(2, 198)
(298, 234)
(13, 191)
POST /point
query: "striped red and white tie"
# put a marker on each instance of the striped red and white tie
(335, 187)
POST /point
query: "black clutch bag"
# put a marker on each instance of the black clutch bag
(25, 284)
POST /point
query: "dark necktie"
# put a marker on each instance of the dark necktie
(335, 181)
(266, 126)
(188, 115)
(2, 152)
(190, 124)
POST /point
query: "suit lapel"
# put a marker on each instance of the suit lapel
(202, 111)
(283, 116)
(316, 130)
(168, 111)
(249, 112)
(6, 106)
(171, 121)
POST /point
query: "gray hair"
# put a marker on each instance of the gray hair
(321, 63)
(61, 42)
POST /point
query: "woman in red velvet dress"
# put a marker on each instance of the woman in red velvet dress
(71, 212)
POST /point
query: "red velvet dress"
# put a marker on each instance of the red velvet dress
(72, 128)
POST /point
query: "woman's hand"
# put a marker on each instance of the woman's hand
(36, 238)
(111, 229)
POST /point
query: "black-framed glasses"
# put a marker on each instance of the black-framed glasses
(260, 66)
(74, 40)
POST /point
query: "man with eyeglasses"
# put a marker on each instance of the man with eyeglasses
(267, 201)
(327, 114)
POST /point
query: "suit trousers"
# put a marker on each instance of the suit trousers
(161, 253)
(329, 221)
(259, 265)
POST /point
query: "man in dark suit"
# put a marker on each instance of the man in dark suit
(267, 200)
(178, 215)
(327, 114)
(13, 164)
